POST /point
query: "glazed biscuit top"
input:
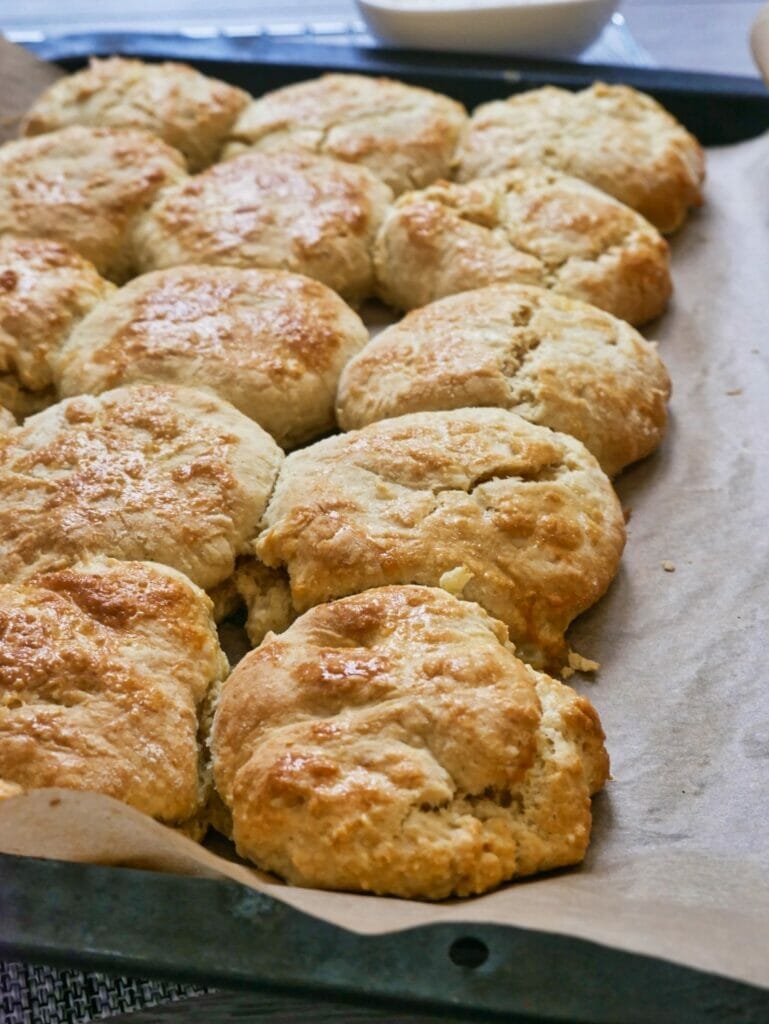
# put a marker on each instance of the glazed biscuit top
(404, 134)
(173, 475)
(618, 139)
(84, 187)
(526, 513)
(102, 669)
(45, 290)
(553, 360)
(270, 342)
(291, 211)
(186, 109)
(392, 742)
(534, 226)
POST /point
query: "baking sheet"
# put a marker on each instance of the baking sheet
(677, 864)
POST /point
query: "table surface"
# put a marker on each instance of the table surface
(704, 35)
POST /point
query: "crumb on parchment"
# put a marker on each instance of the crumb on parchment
(668, 566)
(579, 664)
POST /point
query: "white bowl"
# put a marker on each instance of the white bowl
(558, 28)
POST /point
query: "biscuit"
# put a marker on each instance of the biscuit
(188, 110)
(530, 226)
(554, 361)
(612, 136)
(85, 187)
(405, 135)
(525, 512)
(287, 211)
(45, 290)
(103, 669)
(271, 343)
(171, 475)
(392, 743)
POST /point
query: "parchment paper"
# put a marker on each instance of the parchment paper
(677, 867)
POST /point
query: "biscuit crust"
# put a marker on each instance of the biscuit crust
(85, 187)
(271, 343)
(103, 669)
(554, 361)
(173, 475)
(529, 226)
(290, 211)
(528, 514)
(46, 288)
(188, 110)
(405, 135)
(616, 138)
(391, 742)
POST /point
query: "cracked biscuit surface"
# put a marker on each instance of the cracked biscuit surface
(613, 136)
(85, 187)
(173, 475)
(103, 669)
(391, 742)
(287, 211)
(405, 135)
(528, 513)
(188, 110)
(46, 288)
(529, 226)
(271, 343)
(555, 361)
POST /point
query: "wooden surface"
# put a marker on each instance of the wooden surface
(706, 35)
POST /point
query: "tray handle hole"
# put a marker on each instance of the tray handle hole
(468, 952)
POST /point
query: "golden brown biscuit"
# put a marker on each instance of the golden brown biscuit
(618, 139)
(554, 361)
(405, 135)
(290, 211)
(171, 475)
(392, 742)
(189, 111)
(526, 514)
(530, 226)
(85, 187)
(45, 290)
(271, 343)
(103, 669)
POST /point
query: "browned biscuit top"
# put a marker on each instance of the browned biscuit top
(84, 187)
(45, 290)
(529, 226)
(554, 361)
(291, 211)
(618, 139)
(392, 742)
(525, 515)
(405, 135)
(103, 667)
(188, 110)
(270, 342)
(173, 475)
